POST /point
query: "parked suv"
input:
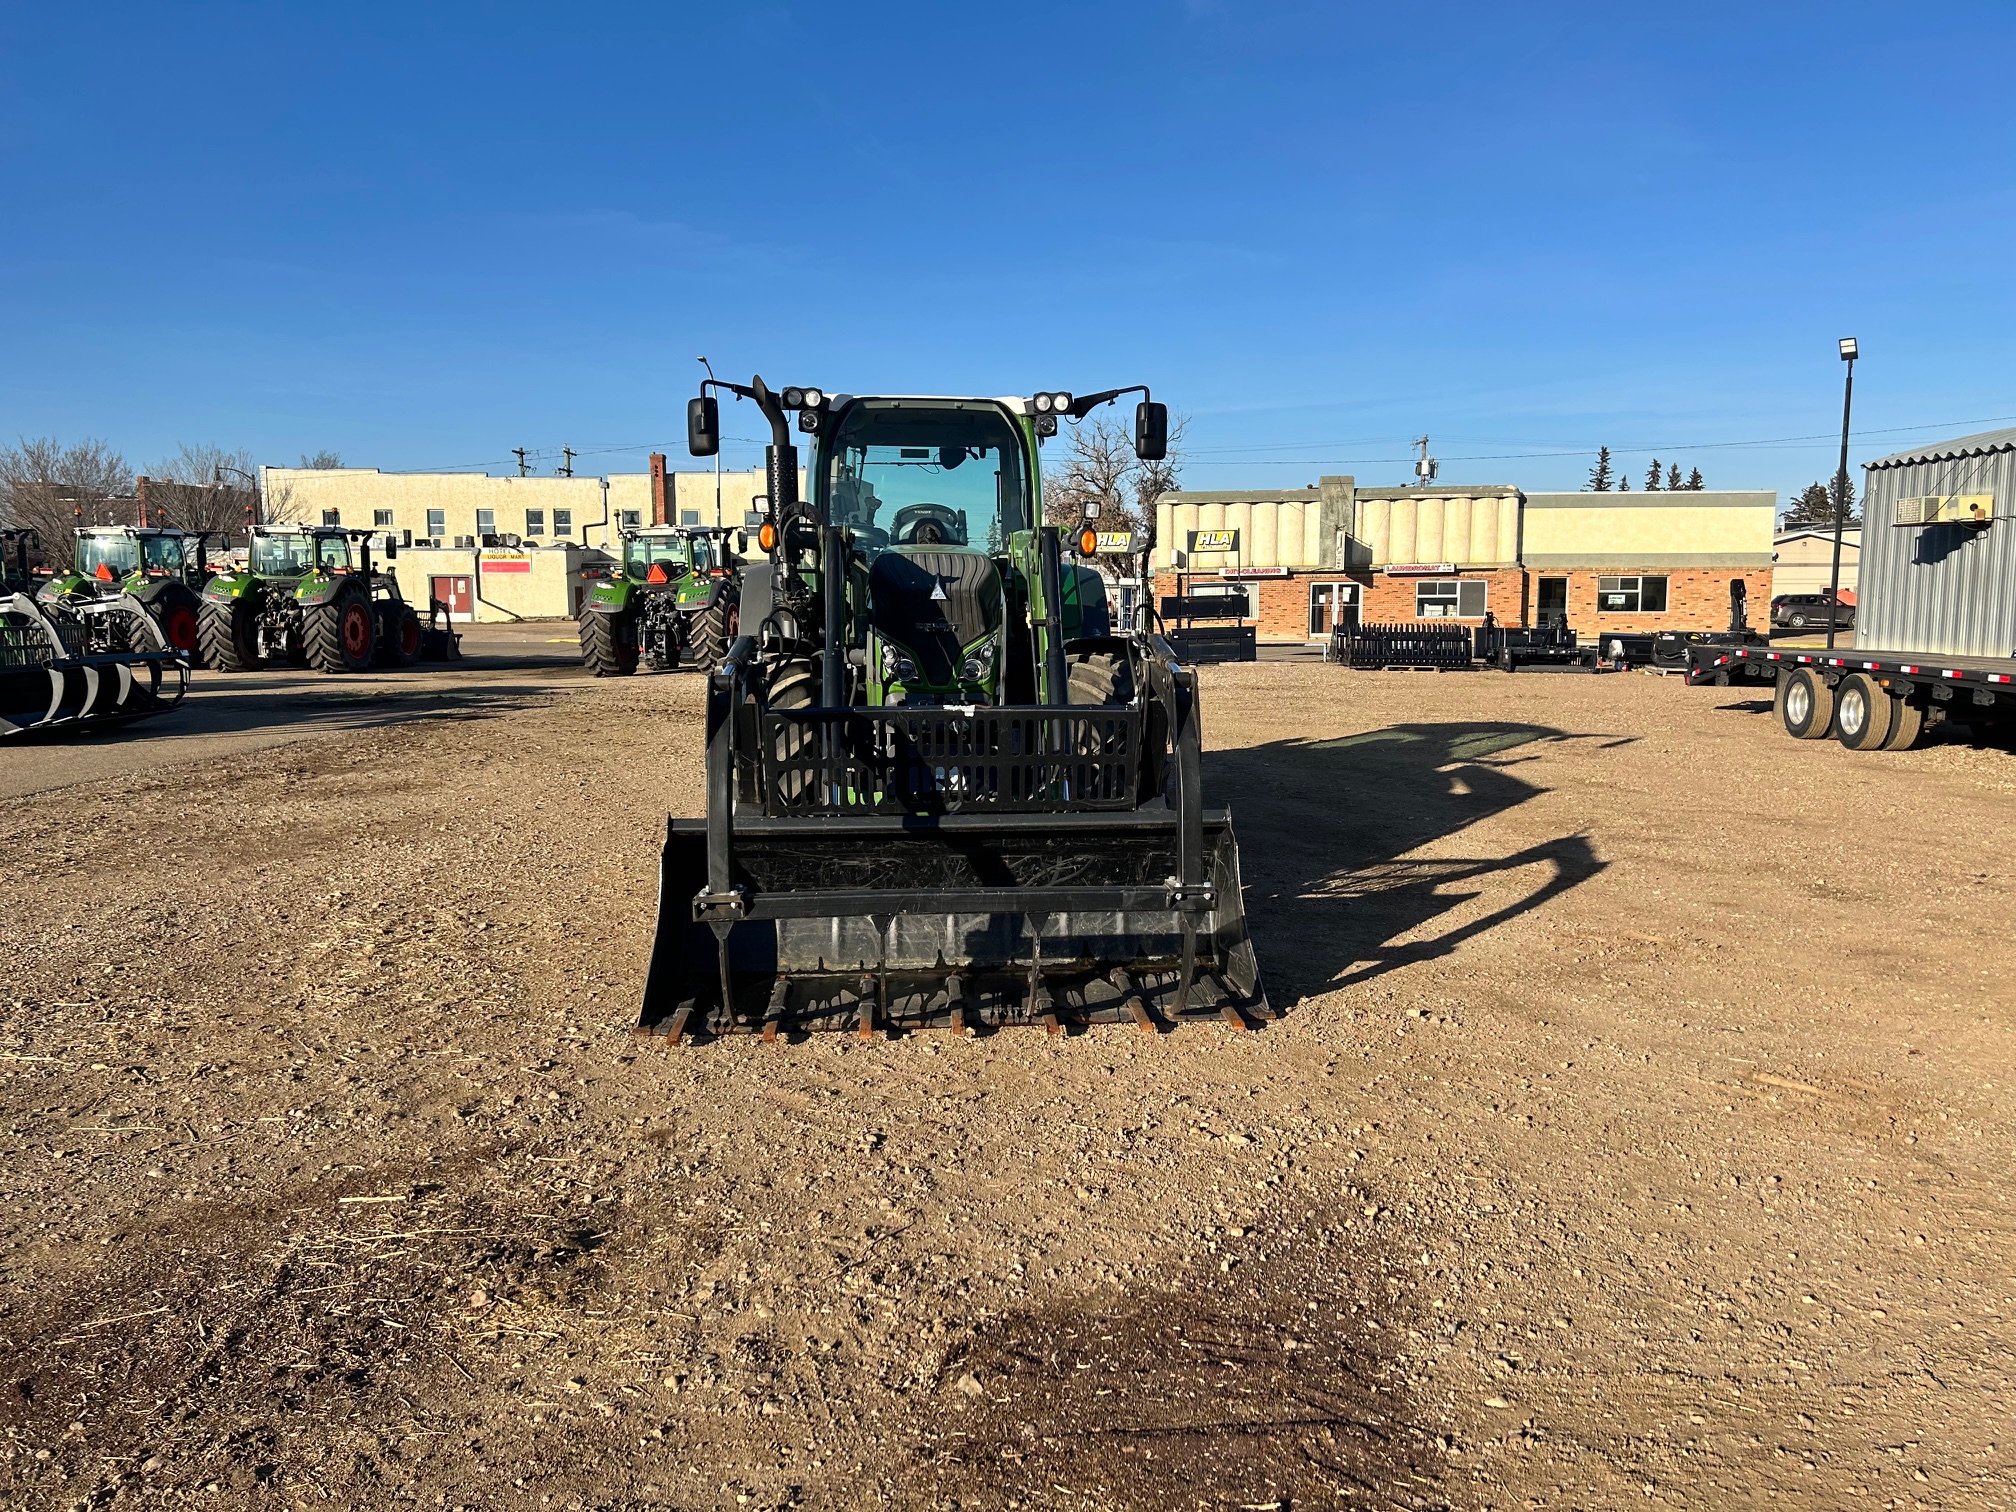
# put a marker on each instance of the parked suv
(1798, 610)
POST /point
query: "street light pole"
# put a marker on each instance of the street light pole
(1849, 352)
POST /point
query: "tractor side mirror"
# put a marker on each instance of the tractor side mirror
(703, 425)
(1151, 430)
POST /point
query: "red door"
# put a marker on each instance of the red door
(458, 593)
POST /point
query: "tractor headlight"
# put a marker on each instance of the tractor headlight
(896, 667)
(1042, 404)
(814, 399)
(794, 398)
(979, 661)
(808, 421)
(1060, 403)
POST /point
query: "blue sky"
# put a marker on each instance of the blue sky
(423, 235)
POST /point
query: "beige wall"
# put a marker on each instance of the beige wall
(358, 494)
(1649, 529)
(1291, 527)
(527, 584)
(1465, 529)
(1806, 562)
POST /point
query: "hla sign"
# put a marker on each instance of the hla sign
(1213, 540)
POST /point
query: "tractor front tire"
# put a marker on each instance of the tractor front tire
(712, 630)
(340, 635)
(228, 633)
(609, 643)
(1098, 678)
(795, 686)
(399, 644)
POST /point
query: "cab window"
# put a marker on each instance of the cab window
(117, 555)
(162, 553)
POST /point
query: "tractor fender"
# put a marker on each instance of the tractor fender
(319, 590)
(609, 596)
(60, 588)
(224, 587)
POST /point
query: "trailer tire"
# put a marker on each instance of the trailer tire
(341, 635)
(609, 643)
(1864, 713)
(1906, 727)
(1805, 704)
(229, 635)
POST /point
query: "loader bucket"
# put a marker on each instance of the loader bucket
(965, 867)
(961, 922)
(83, 666)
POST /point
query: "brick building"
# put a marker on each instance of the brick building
(1301, 560)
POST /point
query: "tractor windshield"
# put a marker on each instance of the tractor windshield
(281, 555)
(332, 553)
(927, 472)
(658, 559)
(162, 554)
(107, 556)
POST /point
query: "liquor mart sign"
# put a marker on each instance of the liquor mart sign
(1213, 540)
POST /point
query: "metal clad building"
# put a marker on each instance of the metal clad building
(1948, 587)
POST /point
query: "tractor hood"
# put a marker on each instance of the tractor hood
(934, 603)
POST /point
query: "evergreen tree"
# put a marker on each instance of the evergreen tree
(1843, 493)
(1694, 483)
(1600, 476)
(1813, 505)
(1673, 478)
(1652, 477)
(1623, 483)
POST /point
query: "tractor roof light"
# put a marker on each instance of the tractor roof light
(1042, 404)
(808, 420)
(793, 398)
(814, 399)
(1061, 403)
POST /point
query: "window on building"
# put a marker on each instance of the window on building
(381, 519)
(437, 524)
(689, 517)
(630, 519)
(486, 522)
(1450, 599)
(1331, 605)
(535, 522)
(563, 522)
(332, 517)
(1630, 595)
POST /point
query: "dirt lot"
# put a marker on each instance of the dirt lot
(1639, 1134)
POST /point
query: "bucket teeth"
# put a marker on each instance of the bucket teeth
(1137, 1005)
(867, 1010)
(773, 1016)
(955, 996)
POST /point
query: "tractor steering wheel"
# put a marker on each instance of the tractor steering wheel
(926, 525)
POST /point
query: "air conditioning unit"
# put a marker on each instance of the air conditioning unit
(465, 541)
(1945, 509)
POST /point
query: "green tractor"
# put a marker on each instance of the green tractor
(162, 569)
(677, 597)
(943, 789)
(309, 595)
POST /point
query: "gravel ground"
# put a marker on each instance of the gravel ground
(1638, 1134)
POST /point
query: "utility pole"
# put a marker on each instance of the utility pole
(1849, 352)
(1426, 468)
(519, 453)
(568, 470)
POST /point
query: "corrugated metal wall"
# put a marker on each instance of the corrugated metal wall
(1939, 589)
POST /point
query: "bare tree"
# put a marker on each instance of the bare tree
(1101, 465)
(322, 461)
(49, 487)
(204, 487)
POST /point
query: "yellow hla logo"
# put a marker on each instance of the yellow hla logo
(1214, 540)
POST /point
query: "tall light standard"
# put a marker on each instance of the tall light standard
(251, 496)
(1849, 353)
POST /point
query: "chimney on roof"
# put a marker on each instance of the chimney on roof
(140, 495)
(659, 483)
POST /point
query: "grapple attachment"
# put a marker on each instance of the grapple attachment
(83, 666)
(963, 869)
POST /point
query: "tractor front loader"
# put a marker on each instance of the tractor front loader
(943, 790)
(74, 665)
(676, 597)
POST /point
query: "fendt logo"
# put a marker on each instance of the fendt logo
(1214, 540)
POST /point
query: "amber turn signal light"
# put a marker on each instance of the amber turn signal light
(766, 537)
(1088, 543)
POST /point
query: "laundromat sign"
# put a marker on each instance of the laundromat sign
(1214, 540)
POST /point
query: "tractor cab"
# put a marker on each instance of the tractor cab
(662, 556)
(114, 553)
(301, 551)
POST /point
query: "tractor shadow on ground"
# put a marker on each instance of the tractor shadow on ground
(333, 710)
(1324, 826)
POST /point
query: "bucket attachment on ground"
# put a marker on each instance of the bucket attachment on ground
(83, 666)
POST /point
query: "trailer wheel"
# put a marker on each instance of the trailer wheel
(1907, 727)
(1864, 713)
(1805, 704)
(609, 643)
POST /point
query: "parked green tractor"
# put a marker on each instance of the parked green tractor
(676, 598)
(943, 789)
(309, 595)
(162, 569)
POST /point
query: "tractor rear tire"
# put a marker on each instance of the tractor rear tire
(342, 634)
(178, 611)
(229, 635)
(400, 644)
(712, 630)
(609, 643)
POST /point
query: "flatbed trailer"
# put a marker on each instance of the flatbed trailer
(1867, 699)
